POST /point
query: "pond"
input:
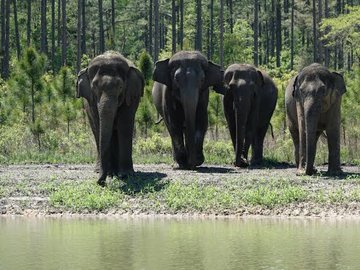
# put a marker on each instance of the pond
(160, 243)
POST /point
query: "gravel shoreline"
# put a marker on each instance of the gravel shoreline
(22, 191)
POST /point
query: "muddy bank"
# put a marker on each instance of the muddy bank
(41, 190)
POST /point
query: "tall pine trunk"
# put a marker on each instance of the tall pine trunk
(59, 23)
(278, 33)
(6, 58)
(28, 24)
(53, 35)
(173, 25)
(17, 36)
(221, 19)
(63, 34)
(2, 41)
(256, 33)
(211, 34)
(198, 36)
(315, 51)
(43, 30)
(83, 27)
(113, 23)
(156, 30)
(150, 43)
(292, 36)
(181, 40)
(78, 36)
(101, 28)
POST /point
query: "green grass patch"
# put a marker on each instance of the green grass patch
(3, 192)
(199, 197)
(85, 196)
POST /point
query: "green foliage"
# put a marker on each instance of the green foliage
(146, 66)
(344, 29)
(27, 81)
(238, 45)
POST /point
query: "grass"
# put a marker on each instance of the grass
(86, 196)
(152, 193)
(174, 196)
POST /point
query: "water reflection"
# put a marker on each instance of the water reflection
(178, 244)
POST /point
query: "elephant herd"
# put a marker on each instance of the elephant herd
(112, 87)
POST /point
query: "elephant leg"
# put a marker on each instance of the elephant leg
(93, 116)
(179, 152)
(294, 132)
(124, 133)
(230, 118)
(177, 141)
(201, 127)
(302, 140)
(258, 146)
(248, 142)
(333, 138)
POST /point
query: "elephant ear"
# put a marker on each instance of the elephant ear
(339, 83)
(135, 83)
(214, 76)
(83, 88)
(161, 72)
(295, 91)
(260, 80)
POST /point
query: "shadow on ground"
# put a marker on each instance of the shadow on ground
(212, 169)
(339, 176)
(140, 182)
(273, 164)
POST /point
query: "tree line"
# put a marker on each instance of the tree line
(270, 33)
(44, 43)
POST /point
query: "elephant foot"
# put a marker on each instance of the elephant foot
(334, 172)
(184, 167)
(241, 162)
(102, 179)
(307, 171)
(256, 162)
(181, 160)
(101, 182)
(311, 171)
(300, 172)
(200, 160)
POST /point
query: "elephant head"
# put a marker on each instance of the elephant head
(111, 85)
(315, 90)
(243, 83)
(188, 75)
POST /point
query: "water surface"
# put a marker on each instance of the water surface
(47, 243)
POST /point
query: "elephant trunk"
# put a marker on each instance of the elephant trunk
(107, 111)
(189, 101)
(311, 112)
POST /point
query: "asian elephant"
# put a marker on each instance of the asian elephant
(112, 87)
(313, 101)
(249, 103)
(181, 95)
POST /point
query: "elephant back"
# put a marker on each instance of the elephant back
(112, 57)
(188, 56)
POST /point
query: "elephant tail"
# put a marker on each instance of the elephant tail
(272, 131)
(159, 120)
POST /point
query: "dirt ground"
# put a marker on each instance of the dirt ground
(27, 198)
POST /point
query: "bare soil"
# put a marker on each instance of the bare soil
(21, 192)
